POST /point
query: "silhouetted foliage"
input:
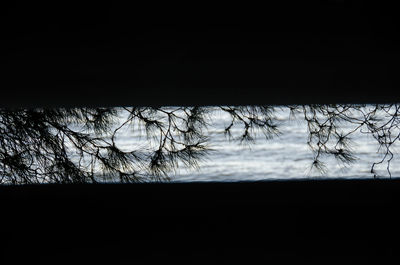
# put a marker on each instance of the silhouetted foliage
(80, 145)
(327, 138)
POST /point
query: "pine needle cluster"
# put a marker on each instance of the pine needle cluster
(80, 145)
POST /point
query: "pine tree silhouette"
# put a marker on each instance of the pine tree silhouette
(79, 145)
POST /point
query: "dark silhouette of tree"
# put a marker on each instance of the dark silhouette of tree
(327, 138)
(80, 145)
